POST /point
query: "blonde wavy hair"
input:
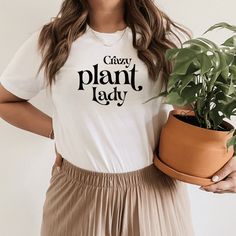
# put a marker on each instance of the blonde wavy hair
(158, 33)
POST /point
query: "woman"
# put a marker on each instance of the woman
(101, 60)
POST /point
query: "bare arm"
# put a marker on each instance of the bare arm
(22, 114)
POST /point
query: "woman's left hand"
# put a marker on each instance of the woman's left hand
(225, 178)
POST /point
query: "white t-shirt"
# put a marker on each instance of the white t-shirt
(99, 117)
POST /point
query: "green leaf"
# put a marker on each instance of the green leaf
(231, 87)
(229, 58)
(210, 43)
(186, 54)
(180, 68)
(198, 43)
(196, 48)
(189, 93)
(173, 79)
(215, 117)
(220, 95)
(232, 70)
(175, 99)
(205, 63)
(221, 64)
(194, 67)
(221, 25)
(213, 79)
(171, 53)
(225, 73)
(230, 42)
(223, 87)
(227, 89)
(229, 108)
(183, 60)
(200, 105)
(185, 80)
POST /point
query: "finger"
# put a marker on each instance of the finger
(223, 191)
(58, 160)
(227, 184)
(232, 175)
(225, 170)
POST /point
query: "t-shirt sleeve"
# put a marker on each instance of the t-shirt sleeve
(20, 76)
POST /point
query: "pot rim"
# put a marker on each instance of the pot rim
(191, 179)
(191, 113)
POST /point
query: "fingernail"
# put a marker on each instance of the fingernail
(201, 188)
(58, 168)
(215, 178)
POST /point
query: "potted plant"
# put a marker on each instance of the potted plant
(195, 143)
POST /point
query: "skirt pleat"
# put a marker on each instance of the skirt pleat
(145, 202)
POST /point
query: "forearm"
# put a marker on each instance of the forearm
(27, 117)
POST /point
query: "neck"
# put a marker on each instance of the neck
(107, 20)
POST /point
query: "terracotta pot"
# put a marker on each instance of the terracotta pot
(190, 153)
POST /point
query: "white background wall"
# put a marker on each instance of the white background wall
(26, 158)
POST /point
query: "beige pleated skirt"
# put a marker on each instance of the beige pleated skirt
(144, 202)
